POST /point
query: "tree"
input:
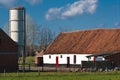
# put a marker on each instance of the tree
(30, 34)
(45, 37)
(64, 29)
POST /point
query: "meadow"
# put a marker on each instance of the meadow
(115, 75)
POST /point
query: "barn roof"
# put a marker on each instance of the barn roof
(86, 42)
(6, 43)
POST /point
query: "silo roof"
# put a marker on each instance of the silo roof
(18, 8)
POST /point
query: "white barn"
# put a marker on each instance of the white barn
(73, 47)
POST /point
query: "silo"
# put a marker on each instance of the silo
(17, 20)
(17, 28)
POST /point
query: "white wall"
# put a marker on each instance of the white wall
(63, 60)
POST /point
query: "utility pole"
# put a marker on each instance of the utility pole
(24, 53)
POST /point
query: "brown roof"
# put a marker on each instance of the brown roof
(86, 42)
(6, 43)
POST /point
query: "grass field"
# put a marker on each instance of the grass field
(61, 76)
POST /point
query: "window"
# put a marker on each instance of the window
(49, 56)
(61, 56)
(74, 59)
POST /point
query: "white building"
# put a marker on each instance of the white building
(63, 58)
(73, 47)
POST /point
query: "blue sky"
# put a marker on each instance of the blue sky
(67, 14)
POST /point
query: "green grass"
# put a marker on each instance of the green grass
(61, 76)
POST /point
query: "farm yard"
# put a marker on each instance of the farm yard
(115, 75)
(85, 48)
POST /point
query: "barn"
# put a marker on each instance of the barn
(8, 53)
(73, 47)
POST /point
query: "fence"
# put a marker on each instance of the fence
(97, 65)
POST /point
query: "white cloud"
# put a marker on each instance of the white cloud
(76, 8)
(32, 2)
(117, 24)
(7, 3)
(53, 12)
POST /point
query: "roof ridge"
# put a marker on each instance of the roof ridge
(92, 30)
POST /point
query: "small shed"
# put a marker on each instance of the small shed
(8, 53)
(114, 57)
(39, 58)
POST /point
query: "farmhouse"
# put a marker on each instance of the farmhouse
(73, 47)
(8, 53)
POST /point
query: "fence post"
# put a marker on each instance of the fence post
(4, 72)
(42, 67)
(17, 73)
(38, 71)
(29, 67)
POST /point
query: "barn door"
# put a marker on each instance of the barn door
(40, 61)
(74, 59)
(68, 62)
(57, 62)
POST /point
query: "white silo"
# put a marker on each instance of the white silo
(17, 28)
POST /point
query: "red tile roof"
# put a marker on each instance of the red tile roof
(86, 42)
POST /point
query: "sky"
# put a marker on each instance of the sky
(72, 15)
